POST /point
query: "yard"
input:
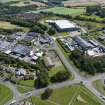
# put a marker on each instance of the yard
(62, 10)
(5, 94)
(71, 95)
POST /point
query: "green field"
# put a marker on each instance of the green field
(25, 86)
(71, 95)
(24, 89)
(62, 10)
(99, 86)
(9, 26)
(5, 94)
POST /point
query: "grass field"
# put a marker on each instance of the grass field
(5, 94)
(9, 26)
(99, 86)
(71, 95)
(24, 89)
(25, 86)
(6, 25)
(62, 10)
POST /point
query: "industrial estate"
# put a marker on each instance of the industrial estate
(52, 52)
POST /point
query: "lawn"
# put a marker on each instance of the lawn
(71, 95)
(5, 94)
(25, 86)
(62, 10)
(24, 89)
(99, 86)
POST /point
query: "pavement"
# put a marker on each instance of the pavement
(86, 81)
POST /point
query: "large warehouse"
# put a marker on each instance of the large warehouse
(64, 25)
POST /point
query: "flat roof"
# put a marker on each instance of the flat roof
(4, 44)
(83, 43)
(21, 49)
(64, 24)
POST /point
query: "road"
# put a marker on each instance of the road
(86, 81)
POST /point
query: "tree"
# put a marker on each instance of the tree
(37, 29)
(60, 76)
(47, 93)
(51, 31)
(42, 79)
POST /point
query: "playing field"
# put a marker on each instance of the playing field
(5, 94)
(63, 10)
(71, 95)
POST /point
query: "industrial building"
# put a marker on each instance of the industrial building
(82, 43)
(64, 25)
(22, 50)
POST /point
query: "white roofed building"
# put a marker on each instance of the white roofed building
(64, 25)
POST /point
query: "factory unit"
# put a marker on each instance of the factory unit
(63, 25)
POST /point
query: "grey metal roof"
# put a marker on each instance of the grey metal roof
(84, 44)
(21, 49)
(28, 38)
(93, 42)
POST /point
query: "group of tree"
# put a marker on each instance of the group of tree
(47, 93)
(88, 64)
(15, 62)
(60, 76)
(42, 79)
(96, 10)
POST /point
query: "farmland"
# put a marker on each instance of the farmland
(83, 2)
(28, 3)
(62, 10)
(71, 95)
(4, 1)
(9, 26)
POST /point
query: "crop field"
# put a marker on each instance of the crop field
(4, 1)
(6, 25)
(9, 26)
(83, 2)
(71, 95)
(28, 3)
(62, 10)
